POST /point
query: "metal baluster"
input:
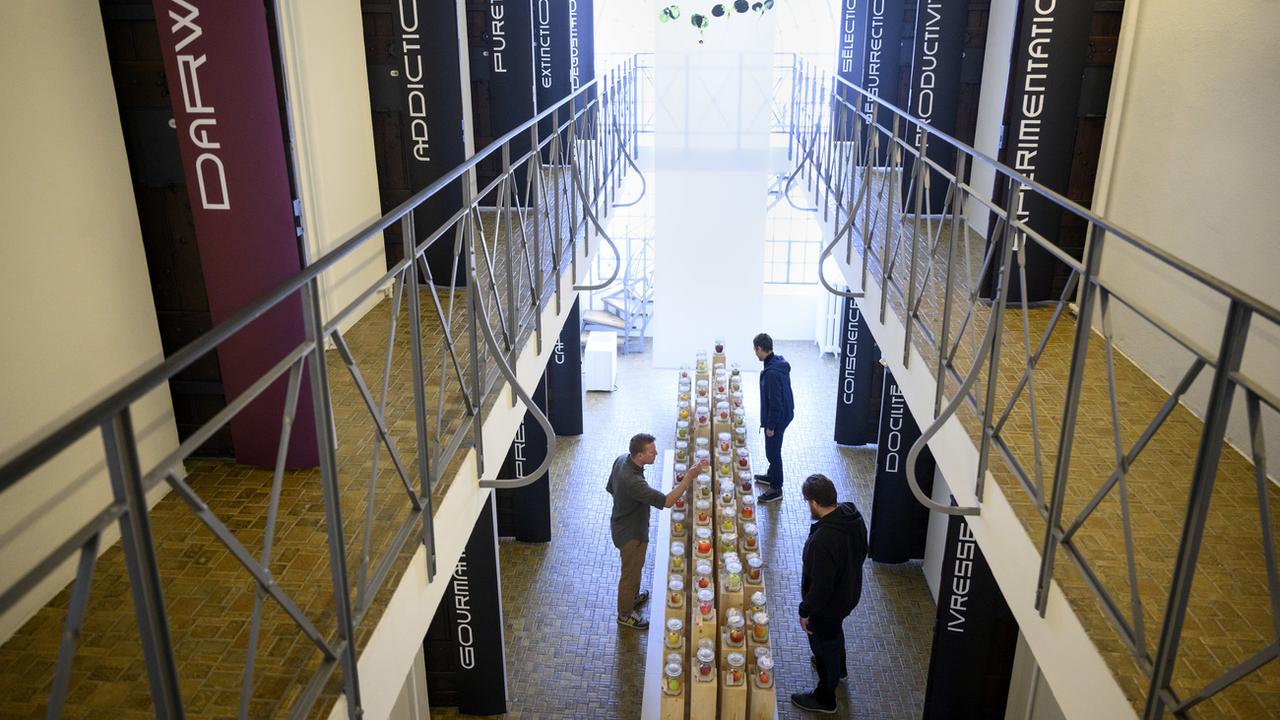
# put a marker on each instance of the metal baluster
(998, 306)
(949, 284)
(533, 177)
(140, 560)
(428, 537)
(1221, 393)
(473, 321)
(506, 239)
(921, 172)
(268, 541)
(1071, 405)
(895, 164)
(325, 435)
(71, 627)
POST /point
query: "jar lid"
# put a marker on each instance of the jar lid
(748, 528)
(704, 567)
(675, 625)
(722, 404)
(677, 547)
(703, 533)
(682, 444)
(736, 660)
(734, 616)
(732, 565)
(760, 618)
(677, 516)
(742, 452)
(757, 598)
(728, 512)
(682, 423)
(754, 561)
(705, 595)
(675, 584)
(728, 539)
(750, 499)
(674, 658)
(701, 442)
(706, 655)
(673, 669)
(764, 662)
(702, 504)
(708, 644)
(723, 436)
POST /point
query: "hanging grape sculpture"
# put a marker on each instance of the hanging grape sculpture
(701, 22)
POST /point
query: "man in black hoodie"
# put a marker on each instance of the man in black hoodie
(830, 586)
(777, 409)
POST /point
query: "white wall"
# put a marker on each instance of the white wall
(78, 315)
(1030, 697)
(1189, 162)
(412, 702)
(323, 48)
(1001, 33)
(790, 312)
(712, 160)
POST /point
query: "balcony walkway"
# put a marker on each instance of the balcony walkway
(209, 596)
(1229, 618)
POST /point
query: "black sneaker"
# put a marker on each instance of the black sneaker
(810, 702)
(769, 496)
(763, 480)
(844, 672)
(633, 620)
(641, 599)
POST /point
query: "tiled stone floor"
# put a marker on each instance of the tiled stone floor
(566, 656)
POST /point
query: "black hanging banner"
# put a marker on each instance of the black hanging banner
(856, 418)
(1044, 99)
(881, 73)
(414, 77)
(937, 58)
(466, 662)
(551, 62)
(564, 376)
(851, 57)
(899, 523)
(582, 43)
(500, 39)
(525, 513)
(974, 636)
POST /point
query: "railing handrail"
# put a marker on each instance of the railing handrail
(35, 453)
(1212, 281)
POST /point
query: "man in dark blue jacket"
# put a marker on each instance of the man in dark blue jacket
(777, 409)
(830, 586)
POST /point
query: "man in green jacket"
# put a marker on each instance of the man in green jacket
(629, 522)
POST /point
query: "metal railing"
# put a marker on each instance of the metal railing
(515, 237)
(876, 168)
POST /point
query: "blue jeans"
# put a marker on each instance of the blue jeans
(773, 453)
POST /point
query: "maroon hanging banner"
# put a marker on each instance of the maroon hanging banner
(226, 110)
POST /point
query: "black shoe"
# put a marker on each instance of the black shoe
(763, 480)
(844, 672)
(641, 599)
(769, 496)
(809, 701)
